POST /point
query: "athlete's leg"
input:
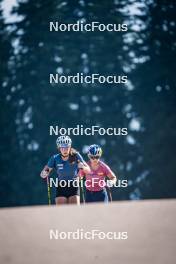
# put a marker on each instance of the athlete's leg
(89, 196)
(61, 200)
(75, 199)
(100, 196)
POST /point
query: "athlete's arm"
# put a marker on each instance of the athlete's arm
(45, 172)
(111, 176)
(81, 174)
(84, 166)
(48, 168)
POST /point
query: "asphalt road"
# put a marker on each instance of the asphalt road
(144, 230)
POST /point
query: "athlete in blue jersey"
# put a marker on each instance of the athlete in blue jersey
(67, 163)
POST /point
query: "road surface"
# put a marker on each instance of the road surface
(41, 234)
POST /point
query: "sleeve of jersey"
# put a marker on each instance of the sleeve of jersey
(51, 162)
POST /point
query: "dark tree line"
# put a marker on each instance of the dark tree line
(29, 104)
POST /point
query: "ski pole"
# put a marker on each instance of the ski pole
(49, 192)
(82, 190)
(109, 193)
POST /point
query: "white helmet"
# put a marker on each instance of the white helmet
(63, 142)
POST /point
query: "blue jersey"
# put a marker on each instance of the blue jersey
(65, 170)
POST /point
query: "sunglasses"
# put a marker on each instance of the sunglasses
(64, 148)
(94, 157)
